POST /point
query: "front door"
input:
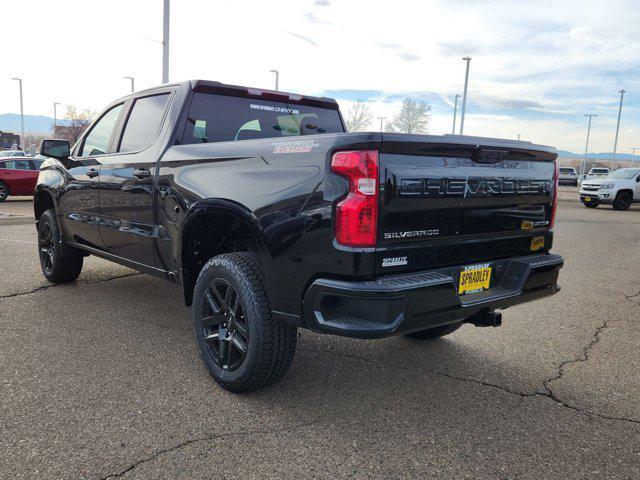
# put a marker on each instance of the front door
(127, 183)
(79, 201)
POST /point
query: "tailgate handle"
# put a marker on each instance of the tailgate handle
(487, 155)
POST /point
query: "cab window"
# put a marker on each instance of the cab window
(97, 141)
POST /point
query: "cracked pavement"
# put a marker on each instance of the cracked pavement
(101, 379)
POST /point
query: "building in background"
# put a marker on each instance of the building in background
(9, 140)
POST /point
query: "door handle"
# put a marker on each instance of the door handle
(141, 173)
(92, 172)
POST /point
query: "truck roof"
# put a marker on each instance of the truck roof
(211, 86)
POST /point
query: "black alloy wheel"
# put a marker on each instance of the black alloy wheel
(46, 248)
(223, 324)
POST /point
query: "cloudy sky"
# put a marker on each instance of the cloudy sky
(537, 67)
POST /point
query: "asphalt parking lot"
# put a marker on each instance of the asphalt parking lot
(101, 379)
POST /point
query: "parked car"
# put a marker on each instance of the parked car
(598, 172)
(18, 176)
(568, 176)
(272, 218)
(12, 153)
(620, 189)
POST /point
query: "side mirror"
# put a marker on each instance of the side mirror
(638, 178)
(59, 149)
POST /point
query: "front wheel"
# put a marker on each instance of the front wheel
(437, 332)
(241, 346)
(4, 191)
(623, 201)
(56, 267)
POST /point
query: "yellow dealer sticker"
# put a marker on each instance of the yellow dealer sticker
(537, 243)
(474, 278)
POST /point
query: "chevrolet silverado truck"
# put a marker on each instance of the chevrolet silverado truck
(271, 217)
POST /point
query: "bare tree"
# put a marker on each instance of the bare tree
(414, 117)
(74, 125)
(359, 117)
(31, 142)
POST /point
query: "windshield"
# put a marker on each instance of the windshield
(624, 173)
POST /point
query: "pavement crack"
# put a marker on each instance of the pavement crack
(206, 438)
(46, 287)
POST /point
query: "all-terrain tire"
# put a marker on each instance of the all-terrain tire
(271, 344)
(623, 201)
(56, 266)
(437, 332)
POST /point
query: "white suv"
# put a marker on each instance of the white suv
(620, 189)
(597, 172)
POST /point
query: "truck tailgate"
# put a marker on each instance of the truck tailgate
(446, 203)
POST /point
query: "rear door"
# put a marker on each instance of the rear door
(128, 225)
(19, 175)
(445, 204)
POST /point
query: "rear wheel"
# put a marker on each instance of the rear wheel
(56, 267)
(242, 347)
(4, 191)
(623, 201)
(437, 332)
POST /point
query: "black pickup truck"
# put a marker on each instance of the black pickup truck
(270, 217)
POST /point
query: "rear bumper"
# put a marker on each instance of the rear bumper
(406, 303)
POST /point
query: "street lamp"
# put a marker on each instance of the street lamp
(464, 95)
(19, 80)
(615, 143)
(586, 146)
(277, 73)
(381, 119)
(55, 116)
(455, 111)
(165, 41)
(132, 83)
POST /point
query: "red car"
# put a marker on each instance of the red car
(18, 176)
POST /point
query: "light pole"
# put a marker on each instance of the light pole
(633, 153)
(19, 80)
(586, 146)
(518, 137)
(277, 73)
(55, 116)
(132, 83)
(381, 119)
(455, 111)
(165, 42)
(615, 142)
(464, 95)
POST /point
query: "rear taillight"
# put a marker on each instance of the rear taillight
(357, 214)
(554, 201)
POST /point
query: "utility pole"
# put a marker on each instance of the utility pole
(633, 153)
(165, 42)
(19, 80)
(586, 146)
(615, 143)
(381, 119)
(464, 95)
(518, 137)
(455, 111)
(132, 83)
(277, 73)
(55, 117)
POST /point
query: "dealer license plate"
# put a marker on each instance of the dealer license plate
(587, 199)
(474, 278)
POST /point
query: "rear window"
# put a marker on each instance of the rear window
(567, 170)
(599, 170)
(216, 118)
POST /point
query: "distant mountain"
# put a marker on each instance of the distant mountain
(599, 156)
(10, 122)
